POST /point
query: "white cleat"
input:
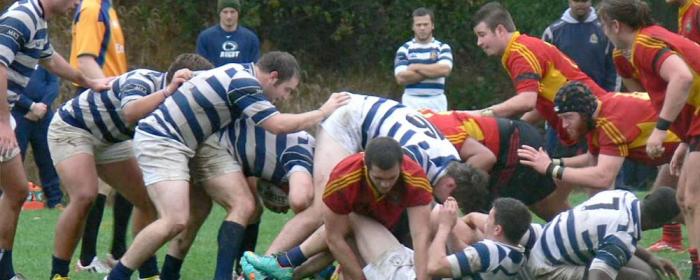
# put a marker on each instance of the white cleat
(96, 266)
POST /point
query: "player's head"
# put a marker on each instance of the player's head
(191, 61)
(468, 185)
(59, 7)
(492, 26)
(279, 74)
(383, 158)
(580, 9)
(229, 12)
(658, 208)
(576, 105)
(622, 18)
(423, 24)
(508, 219)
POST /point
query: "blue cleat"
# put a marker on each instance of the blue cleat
(268, 265)
(250, 273)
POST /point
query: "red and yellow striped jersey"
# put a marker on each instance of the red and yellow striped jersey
(535, 65)
(457, 126)
(689, 20)
(623, 125)
(652, 46)
(349, 189)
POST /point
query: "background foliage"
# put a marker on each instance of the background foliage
(341, 44)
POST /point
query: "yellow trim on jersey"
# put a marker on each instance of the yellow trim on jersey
(343, 182)
(650, 42)
(552, 82)
(645, 130)
(506, 54)
(528, 55)
(473, 129)
(614, 134)
(417, 181)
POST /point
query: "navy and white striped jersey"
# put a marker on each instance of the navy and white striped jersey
(24, 40)
(417, 136)
(208, 103)
(100, 113)
(413, 52)
(575, 236)
(269, 156)
(487, 259)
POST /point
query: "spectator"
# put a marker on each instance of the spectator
(422, 64)
(228, 42)
(98, 51)
(33, 114)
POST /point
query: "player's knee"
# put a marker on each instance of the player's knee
(300, 202)
(83, 198)
(244, 207)
(16, 195)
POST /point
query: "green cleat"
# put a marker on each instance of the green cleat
(269, 266)
(250, 273)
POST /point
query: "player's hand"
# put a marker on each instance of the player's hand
(99, 85)
(665, 267)
(655, 142)
(31, 116)
(39, 110)
(180, 76)
(8, 142)
(537, 159)
(337, 100)
(677, 159)
(447, 216)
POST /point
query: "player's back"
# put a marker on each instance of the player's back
(381, 117)
(207, 103)
(100, 113)
(573, 237)
(267, 155)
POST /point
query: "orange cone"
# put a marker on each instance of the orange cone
(35, 199)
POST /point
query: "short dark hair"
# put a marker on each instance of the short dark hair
(494, 14)
(659, 207)
(190, 61)
(284, 63)
(423, 11)
(471, 190)
(383, 152)
(513, 216)
(634, 13)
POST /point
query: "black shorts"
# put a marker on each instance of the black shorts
(694, 143)
(509, 178)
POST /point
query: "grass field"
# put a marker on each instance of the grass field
(34, 244)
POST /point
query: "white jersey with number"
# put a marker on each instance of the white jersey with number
(574, 237)
(368, 117)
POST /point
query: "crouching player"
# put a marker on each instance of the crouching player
(287, 159)
(381, 184)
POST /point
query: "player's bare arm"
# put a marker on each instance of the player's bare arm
(679, 77)
(288, 123)
(438, 265)
(138, 109)
(409, 76)
(433, 70)
(600, 176)
(57, 64)
(518, 104)
(477, 155)
(89, 67)
(337, 229)
(418, 217)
